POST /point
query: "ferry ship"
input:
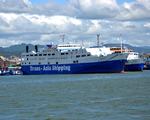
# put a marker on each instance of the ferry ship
(134, 61)
(71, 59)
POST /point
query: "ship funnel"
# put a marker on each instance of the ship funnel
(36, 48)
(27, 49)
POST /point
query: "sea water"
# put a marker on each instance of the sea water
(124, 96)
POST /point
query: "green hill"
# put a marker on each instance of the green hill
(18, 49)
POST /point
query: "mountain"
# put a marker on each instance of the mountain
(18, 49)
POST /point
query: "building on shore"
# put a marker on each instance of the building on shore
(11, 61)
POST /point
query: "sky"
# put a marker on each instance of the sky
(45, 1)
(45, 21)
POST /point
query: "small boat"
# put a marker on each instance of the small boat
(10, 71)
(4, 72)
(15, 70)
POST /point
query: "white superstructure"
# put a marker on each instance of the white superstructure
(134, 58)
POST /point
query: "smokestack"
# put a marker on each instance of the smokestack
(27, 49)
(36, 48)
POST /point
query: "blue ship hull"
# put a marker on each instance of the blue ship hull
(134, 67)
(115, 66)
(147, 67)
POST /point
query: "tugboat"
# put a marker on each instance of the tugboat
(71, 59)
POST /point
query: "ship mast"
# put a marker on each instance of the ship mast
(62, 37)
(120, 38)
(98, 36)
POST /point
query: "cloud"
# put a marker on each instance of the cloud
(44, 29)
(94, 9)
(147, 25)
(95, 27)
(82, 9)
(17, 6)
(138, 10)
(80, 20)
(3, 24)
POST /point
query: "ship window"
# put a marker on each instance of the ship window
(24, 63)
(76, 61)
(49, 54)
(83, 55)
(31, 55)
(27, 58)
(88, 54)
(48, 62)
(56, 62)
(77, 56)
(39, 63)
(44, 54)
(62, 53)
(27, 55)
(29, 62)
(40, 54)
(35, 54)
(53, 54)
(66, 53)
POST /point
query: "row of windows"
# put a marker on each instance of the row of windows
(47, 54)
(64, 53)
(82, 55)
(38, 63)
(41, 54)
(77, 56)
(76, 61)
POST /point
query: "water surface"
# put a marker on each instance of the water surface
(123, 96)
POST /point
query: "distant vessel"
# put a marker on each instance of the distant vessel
(147, 62)
(15, 71)
(134, 62)
(148, 66)
(10, 71)
(72, 59)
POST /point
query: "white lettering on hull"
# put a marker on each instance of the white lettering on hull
(51, 68)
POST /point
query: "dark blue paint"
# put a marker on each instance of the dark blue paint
(134, 67)
(115, 66)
